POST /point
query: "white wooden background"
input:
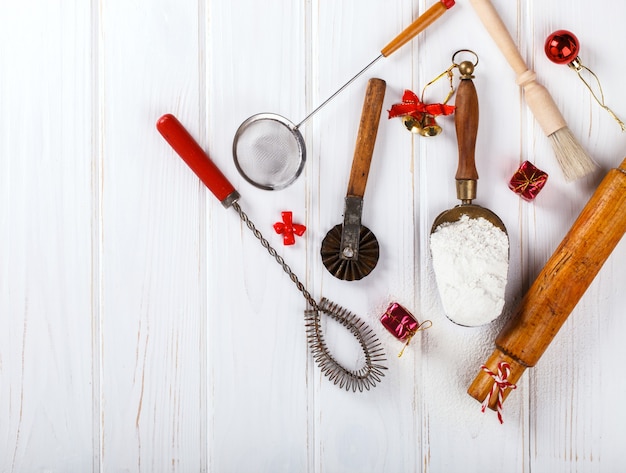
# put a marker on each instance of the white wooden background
(143, 328)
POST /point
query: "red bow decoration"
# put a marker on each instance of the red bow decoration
(413, 106)
(289, 229)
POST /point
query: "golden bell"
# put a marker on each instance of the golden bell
(426, 125)
(412, 124)
(429, 126)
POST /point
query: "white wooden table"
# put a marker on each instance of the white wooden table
(143, 328)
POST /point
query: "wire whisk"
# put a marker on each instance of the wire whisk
(360, 379)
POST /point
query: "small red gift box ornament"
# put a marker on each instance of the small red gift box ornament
(528, 181)
(401, 323)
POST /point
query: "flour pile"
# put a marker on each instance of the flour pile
(471, 263)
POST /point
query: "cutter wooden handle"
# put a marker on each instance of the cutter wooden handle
(366, 137)
(560, 284)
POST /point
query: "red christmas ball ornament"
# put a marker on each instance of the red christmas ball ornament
(562, 47)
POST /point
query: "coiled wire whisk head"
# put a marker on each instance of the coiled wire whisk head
(351, 380)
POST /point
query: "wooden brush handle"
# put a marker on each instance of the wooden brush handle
(366, 137)
(466, 123)
(500, 34)
(536, 95)
(419, 25)
(561, 283)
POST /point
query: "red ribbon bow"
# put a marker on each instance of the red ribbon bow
(289, 229)
(413, 106)
(501, 384)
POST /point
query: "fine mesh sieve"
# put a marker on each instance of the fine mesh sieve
(269, 150)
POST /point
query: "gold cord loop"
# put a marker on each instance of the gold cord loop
(579, 67)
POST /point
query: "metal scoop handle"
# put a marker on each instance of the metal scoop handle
(466, 123)
(190, 151)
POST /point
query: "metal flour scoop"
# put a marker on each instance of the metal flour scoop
(469, 243)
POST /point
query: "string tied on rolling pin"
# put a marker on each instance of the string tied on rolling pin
(500, 385)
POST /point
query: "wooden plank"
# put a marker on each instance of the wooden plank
(376, 430)
(259, 366)
(569, 382)
(154, 275)
(46, 203)
(453, 354)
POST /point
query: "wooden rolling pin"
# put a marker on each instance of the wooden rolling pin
(559, 286)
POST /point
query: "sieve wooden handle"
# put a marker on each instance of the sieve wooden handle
(419, 25)
(466, 123)
(560, 284)
(190, 151)
(366, 137)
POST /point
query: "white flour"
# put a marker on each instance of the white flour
(471, 263)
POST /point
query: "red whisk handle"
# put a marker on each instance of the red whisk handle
(190, 151)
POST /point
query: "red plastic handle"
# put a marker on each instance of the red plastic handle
(187, 148)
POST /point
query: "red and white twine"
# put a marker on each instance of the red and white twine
(501, 384)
